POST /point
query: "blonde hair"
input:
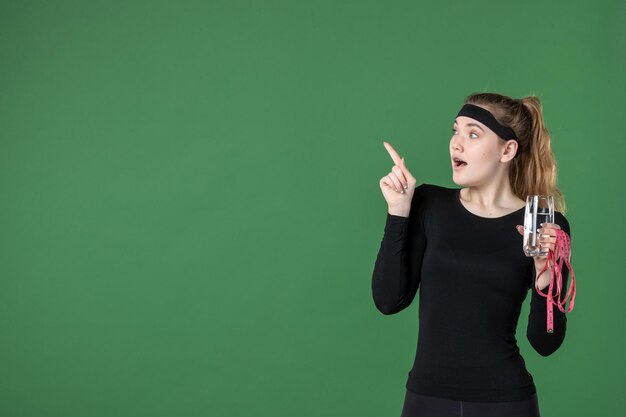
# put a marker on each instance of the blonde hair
(533, 169)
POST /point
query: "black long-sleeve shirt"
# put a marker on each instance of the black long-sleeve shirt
(473, 276)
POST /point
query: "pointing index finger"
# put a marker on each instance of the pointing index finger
(394, 155)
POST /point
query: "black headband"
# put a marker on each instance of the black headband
(485, 117)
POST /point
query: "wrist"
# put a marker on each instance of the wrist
(399, 211)
(542, 276)
(540, 263)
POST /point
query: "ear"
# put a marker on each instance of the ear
(510, 149)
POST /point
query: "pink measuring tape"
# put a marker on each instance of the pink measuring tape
(562, 252)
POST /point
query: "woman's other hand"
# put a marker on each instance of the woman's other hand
(547, 239)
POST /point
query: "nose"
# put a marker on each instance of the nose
(455, 145)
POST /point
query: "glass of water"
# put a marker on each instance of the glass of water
(539, 209)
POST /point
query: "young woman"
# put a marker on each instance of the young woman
(462, 248)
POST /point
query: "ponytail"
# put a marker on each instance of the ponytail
(534, 172)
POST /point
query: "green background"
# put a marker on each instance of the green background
(190, 207)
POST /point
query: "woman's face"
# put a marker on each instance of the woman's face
(480, 148)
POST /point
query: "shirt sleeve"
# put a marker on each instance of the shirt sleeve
(396, 275)
(543, 342)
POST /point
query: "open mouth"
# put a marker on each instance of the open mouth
(458, 163)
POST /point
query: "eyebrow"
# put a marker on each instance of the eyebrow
(472, 124)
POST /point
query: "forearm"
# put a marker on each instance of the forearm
(543, 342)
(390, 282)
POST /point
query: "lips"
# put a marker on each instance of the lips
(458, 163)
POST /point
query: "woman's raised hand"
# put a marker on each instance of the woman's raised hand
(398, 186)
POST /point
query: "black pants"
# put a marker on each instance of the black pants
(417, 405)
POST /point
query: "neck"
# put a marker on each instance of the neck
(497, 193)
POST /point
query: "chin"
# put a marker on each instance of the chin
(464, 183)
(459, 182)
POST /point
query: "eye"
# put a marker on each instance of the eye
(472, 133)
